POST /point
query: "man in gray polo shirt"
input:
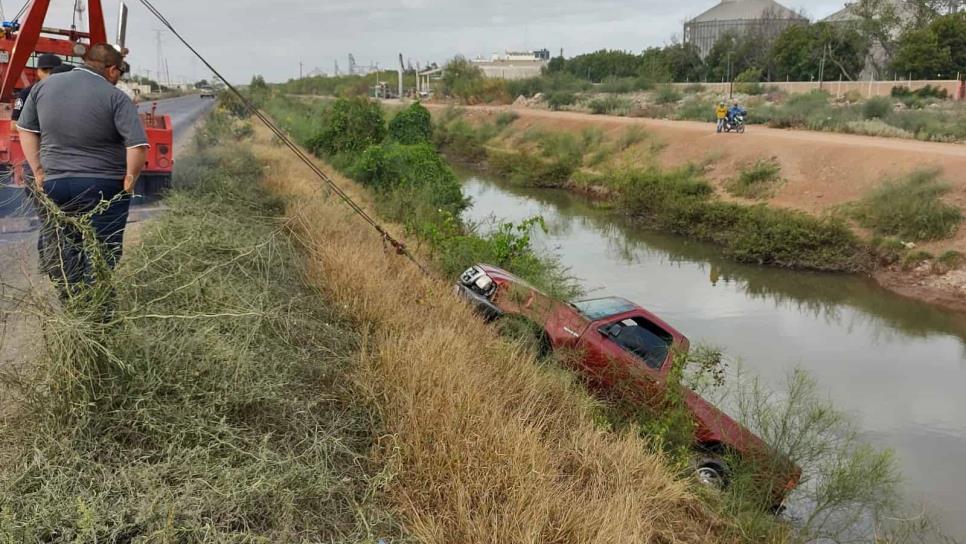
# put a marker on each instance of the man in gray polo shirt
(86, 145)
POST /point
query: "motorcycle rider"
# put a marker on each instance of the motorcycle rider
(734, 112)
(721, 112)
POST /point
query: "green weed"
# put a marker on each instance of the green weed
(877, 108)
(631, 137)
(757, 181)
(916, 258)
(910, 208)
(951, 259)
(216, 403)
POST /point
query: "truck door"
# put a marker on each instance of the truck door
(626, 355)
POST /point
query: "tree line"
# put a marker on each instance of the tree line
(927, 41)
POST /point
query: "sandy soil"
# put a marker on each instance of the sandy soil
(822, 171)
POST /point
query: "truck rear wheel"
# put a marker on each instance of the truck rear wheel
(711, 471)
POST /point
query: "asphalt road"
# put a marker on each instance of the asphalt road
(184, 111)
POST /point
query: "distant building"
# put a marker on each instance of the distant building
(877, 58)
(763, 17)
(850, 13)
(514, 64)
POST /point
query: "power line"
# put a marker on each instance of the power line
(284, 138)
(22, 10)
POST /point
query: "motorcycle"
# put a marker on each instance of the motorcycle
(735, 124)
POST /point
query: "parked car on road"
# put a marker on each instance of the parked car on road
(624, 348)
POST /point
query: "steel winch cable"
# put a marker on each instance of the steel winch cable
(400, 247)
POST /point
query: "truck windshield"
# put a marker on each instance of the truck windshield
(603, 307)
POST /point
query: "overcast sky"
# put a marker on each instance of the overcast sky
(270, 37)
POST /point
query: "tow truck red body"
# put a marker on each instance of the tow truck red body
(623, 348)
(21, 43)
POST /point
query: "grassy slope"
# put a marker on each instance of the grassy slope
(482, 443)
(216, 407)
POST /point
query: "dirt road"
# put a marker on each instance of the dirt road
(822, 171)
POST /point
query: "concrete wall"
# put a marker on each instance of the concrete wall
(505, 70)
(865, 88)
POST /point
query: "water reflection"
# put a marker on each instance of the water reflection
(897, 364)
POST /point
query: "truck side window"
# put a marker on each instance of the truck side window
(644, 339)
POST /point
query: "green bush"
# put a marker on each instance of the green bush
(926, 92)
(559, 99)
(413, 125)
(393, 166)
(667, 94)
(910, 208)
(349, 125)
(877, 108)
(695, 109)
(757, 181)
(679, 201)
(458, 137)
(610, 105)
(528, 169)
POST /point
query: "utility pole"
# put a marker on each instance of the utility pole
(821, 67)
(160, 66)
(300, 69)
(731, 81)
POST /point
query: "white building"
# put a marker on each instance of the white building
(514, 64)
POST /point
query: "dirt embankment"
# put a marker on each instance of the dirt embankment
(821, 170)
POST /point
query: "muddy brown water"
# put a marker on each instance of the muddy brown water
(897, 365)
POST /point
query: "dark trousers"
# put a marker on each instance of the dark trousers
(67, 257)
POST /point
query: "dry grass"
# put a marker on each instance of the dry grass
(482, 443)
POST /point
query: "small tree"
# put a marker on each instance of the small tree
(350, 125)
(462, 79)
(413, 125)
(798, 52)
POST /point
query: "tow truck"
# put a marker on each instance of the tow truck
(20, 45)
(625, 352)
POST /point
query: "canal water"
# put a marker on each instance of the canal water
(898, 366)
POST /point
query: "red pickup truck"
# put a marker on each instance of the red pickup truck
(623, 345)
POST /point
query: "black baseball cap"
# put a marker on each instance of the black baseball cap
(48, 61)
(62, 69)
